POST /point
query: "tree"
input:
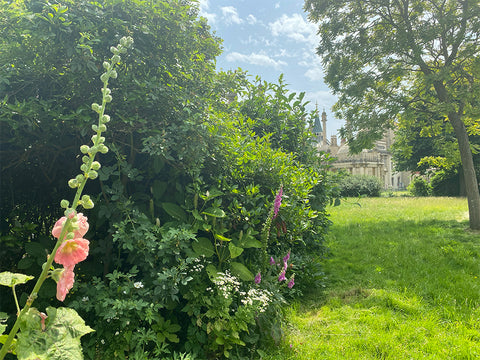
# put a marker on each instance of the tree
(412, 57)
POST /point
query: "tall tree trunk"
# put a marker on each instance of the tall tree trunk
(470, 178)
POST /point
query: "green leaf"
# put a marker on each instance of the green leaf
(57, 339)
(174, 211)
(212, 272)
(250, 242)
(241, 271)
(235, 251)
(203, 247)
(222, 238)
(9, 279)
(214, 212)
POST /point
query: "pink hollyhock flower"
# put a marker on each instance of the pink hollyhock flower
(65, 283)
(82, 224)
(71, 252)
(258, 278)
(291, 282)
(278, 202)
(282, 276)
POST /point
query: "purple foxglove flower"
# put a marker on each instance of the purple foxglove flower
(258, 278)
(282, 276)
(287, 257)
(278, 202)
(291, 282)
(272, 260)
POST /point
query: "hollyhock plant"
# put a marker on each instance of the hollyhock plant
(72, 251)
(65, 283)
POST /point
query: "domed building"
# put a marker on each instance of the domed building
(374, 162)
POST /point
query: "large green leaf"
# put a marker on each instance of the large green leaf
(9, 279)
(214, 212)
(57, 339)
(174, 211)
(241, 271)
(203, 247)
(235, 251)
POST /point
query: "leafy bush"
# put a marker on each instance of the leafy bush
(445, 183)
(419, 187)
(359, 185)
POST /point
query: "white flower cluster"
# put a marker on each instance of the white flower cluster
(257, 297)
(227, 284)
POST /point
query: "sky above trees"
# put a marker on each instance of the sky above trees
(268, 38)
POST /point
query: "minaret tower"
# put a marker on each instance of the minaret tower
(324, 122)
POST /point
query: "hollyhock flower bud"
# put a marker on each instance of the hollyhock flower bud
(72, 252)
(81, 225)
(95, 128)
(103, 149)
(64, 204)
(116, 58)
(108, 98)
(65, 282)
(104, 77)
(113, 74)
(72, 183)
(97, 108)
(105, 119)
(258, 278)
(96, 165)
(84, 149)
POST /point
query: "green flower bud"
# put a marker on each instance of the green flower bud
(97, 108)
(102, 128)
(70, 236)
(64, 204)
(85, 159)
(104, 77)
(84, 149)
(94, 137)
(80, 178)
(114, 50)
(101, 140)
(92, 174)
(113, 74)
(72, 183)
(103, 149)
(105, 119)
(106, 65)
(94, 149)
(106, 91)
(116, 58)
(108, 98)
(87, 203)
(84, 167)
(96, 165)
(95, 128)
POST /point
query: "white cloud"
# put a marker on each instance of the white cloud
(314, 67)
(230, 15)
(255, 59)
(204, 6)
(251, 19)
(277, 5)
(294, 27)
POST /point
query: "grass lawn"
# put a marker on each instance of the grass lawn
(402, 283)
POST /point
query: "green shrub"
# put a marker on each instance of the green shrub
(419, 187)
(360, 185)
(445, 183)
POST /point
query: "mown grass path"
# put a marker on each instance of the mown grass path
(403, 282)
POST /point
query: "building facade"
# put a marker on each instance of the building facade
(374, 162)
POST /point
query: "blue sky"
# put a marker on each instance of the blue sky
(269, 38)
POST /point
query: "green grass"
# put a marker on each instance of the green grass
(402, 283)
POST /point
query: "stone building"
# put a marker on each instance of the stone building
(374, 162)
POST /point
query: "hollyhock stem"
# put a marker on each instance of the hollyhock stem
(97, 143)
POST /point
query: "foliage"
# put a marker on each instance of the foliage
(445, 183)
(388, 58)
(186, 192)
(360, 185)
(419, 186)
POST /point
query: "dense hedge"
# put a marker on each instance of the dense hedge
(360, 185)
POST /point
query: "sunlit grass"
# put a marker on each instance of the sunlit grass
(402, 284)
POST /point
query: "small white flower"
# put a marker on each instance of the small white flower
(138, 285)
(102, 341)
(116, 333)
(85, 299)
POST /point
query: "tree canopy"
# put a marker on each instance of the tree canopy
(416, 58)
